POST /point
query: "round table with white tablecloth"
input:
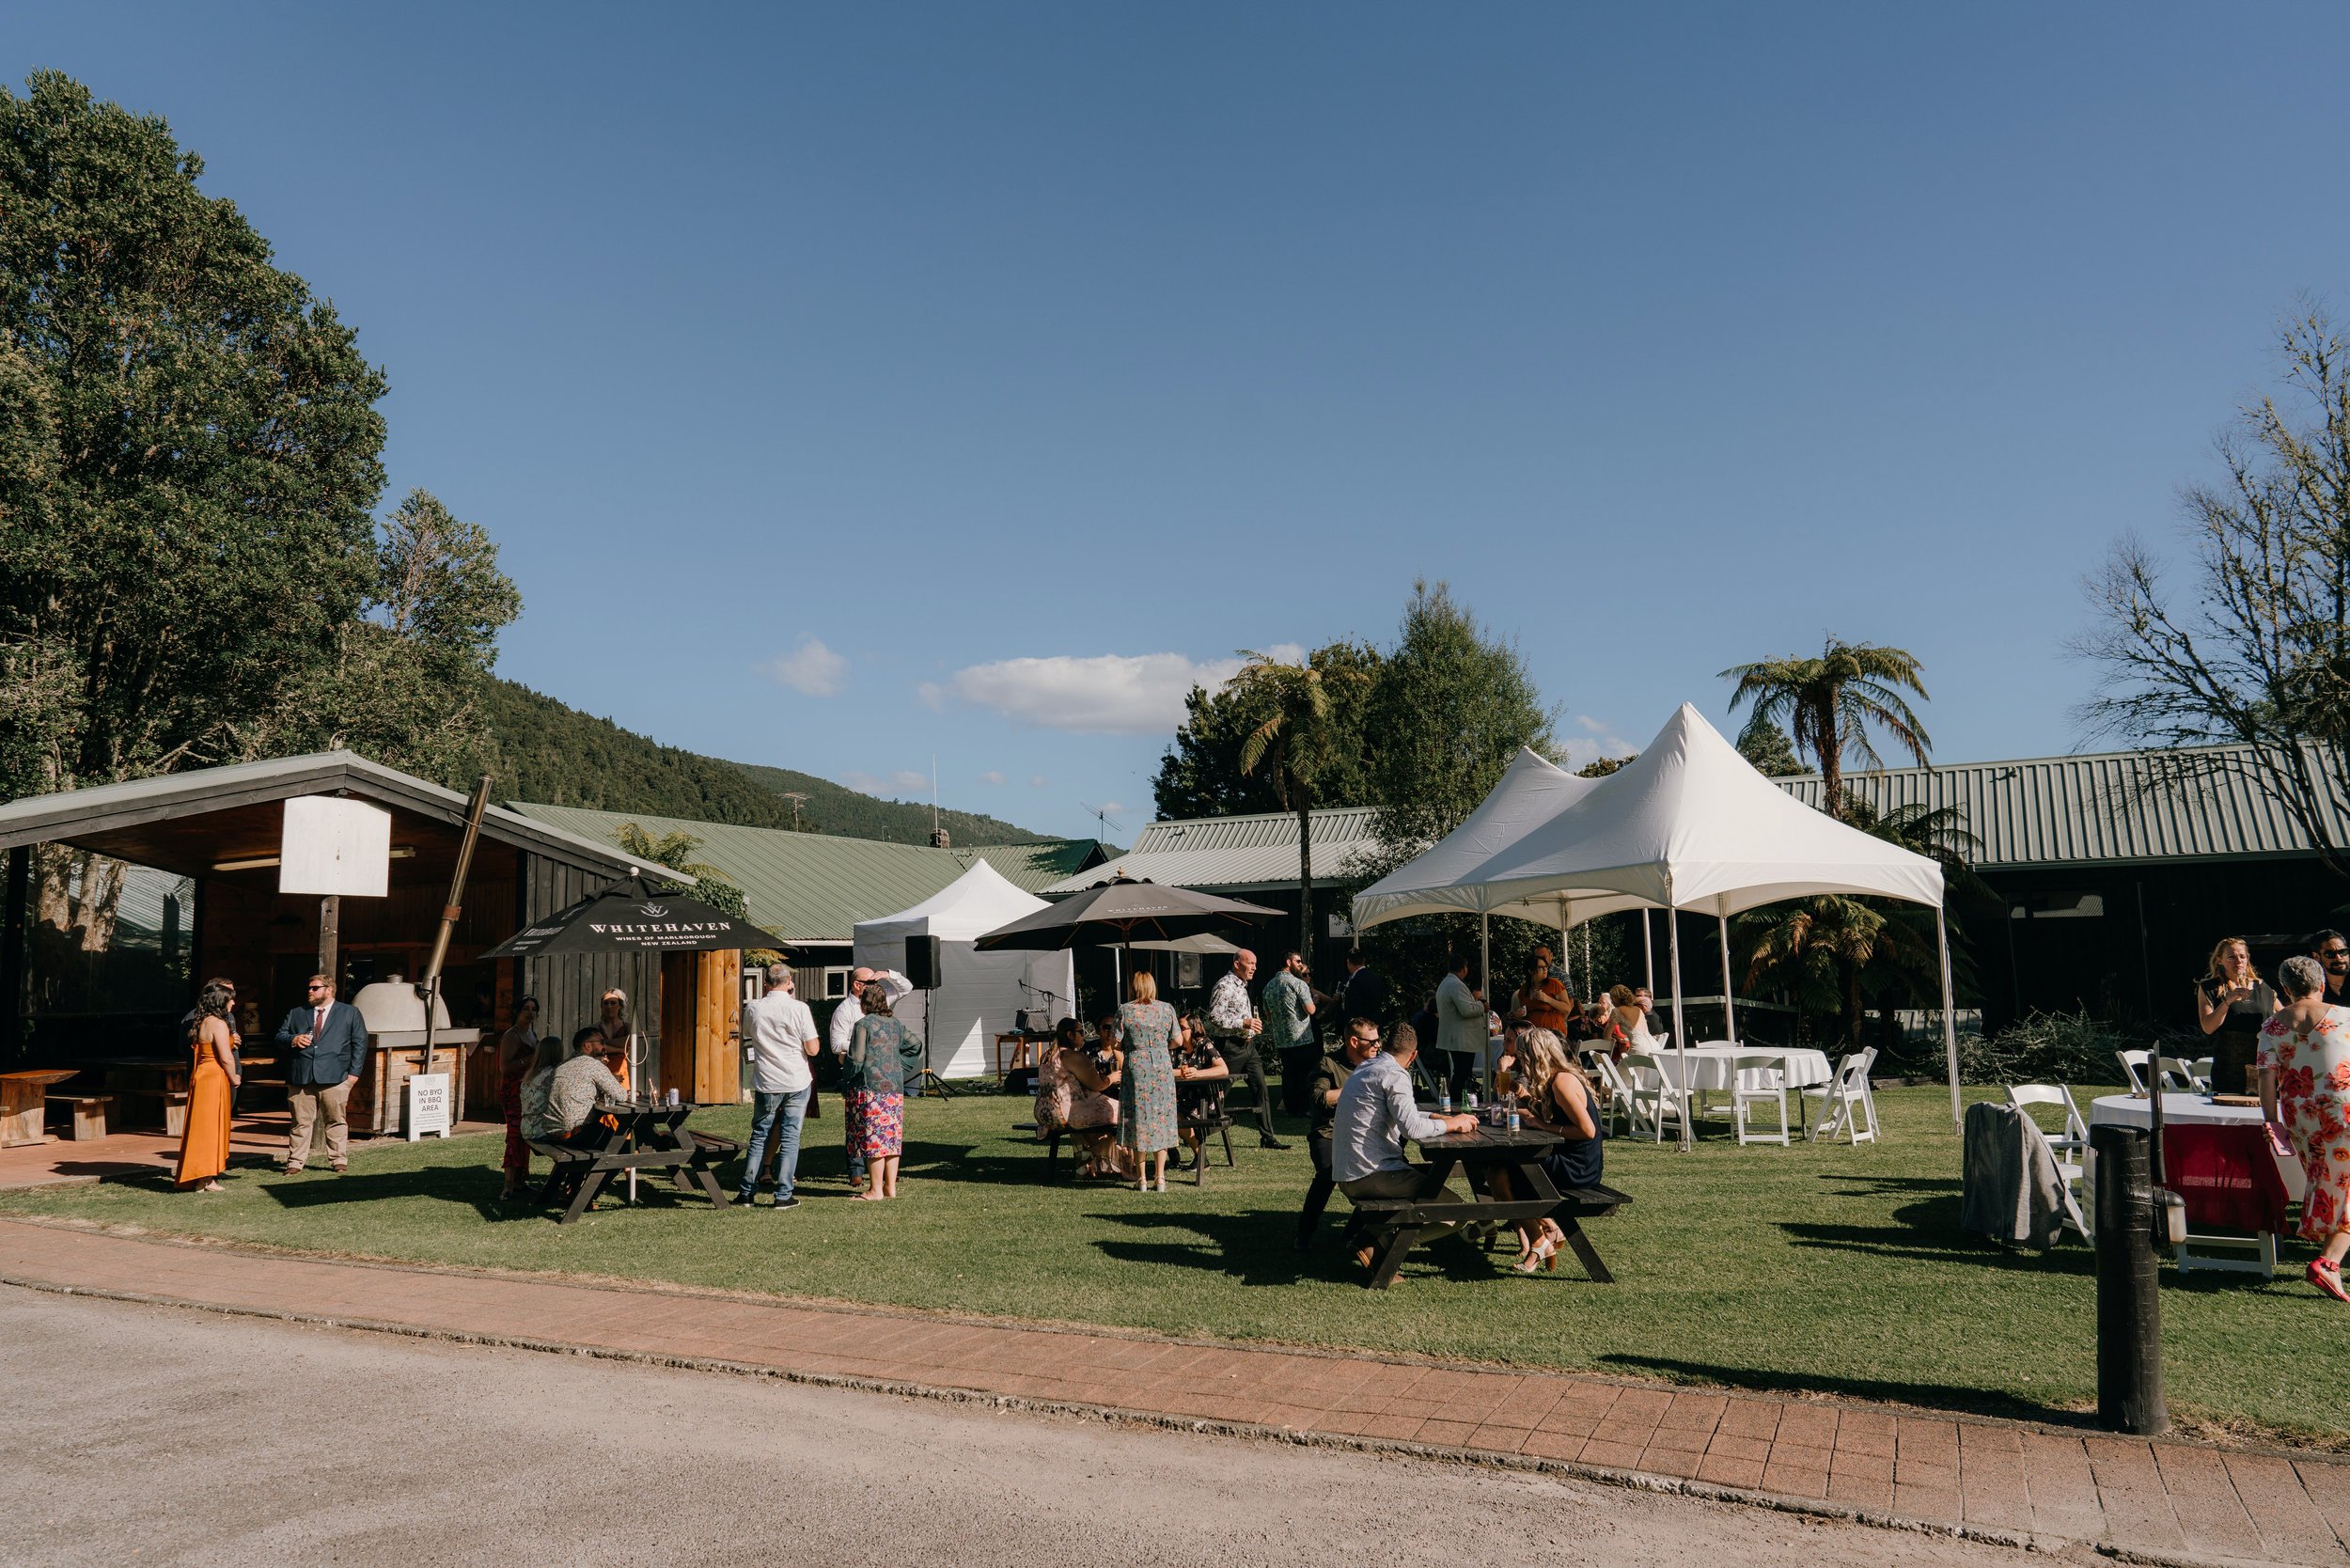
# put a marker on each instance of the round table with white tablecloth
(2130, 1110)
(1707, 1068)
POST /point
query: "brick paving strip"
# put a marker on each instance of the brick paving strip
(2163, 1501)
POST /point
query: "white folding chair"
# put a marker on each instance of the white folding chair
(1655, 1095)
(2134, 1063)
(2070, 1147)
(1846, 1102)
(2179, 1077)
(1619, 1099)
(1758, 1080)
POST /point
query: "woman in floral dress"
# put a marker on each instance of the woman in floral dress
(873, 1079)
(1146, 1081)
(2305, 1089)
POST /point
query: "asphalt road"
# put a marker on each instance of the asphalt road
(156, 1435)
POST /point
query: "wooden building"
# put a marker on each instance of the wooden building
(220, 828)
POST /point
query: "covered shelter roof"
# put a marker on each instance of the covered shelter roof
(209, 820)
(814, 888)
(1237, 854)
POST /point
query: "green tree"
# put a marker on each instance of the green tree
(675, 850)
(408, 678)
(2256, 653)
(192, 452)
(1767, 746)
(1829, 704)
(1300, 738)
(1450, 707)
(1200, 773)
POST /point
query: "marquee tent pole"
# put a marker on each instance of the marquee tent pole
(1950, 1020)
(1485, 973)
(1729, 1019)
(1681, 1026)
(1648, 954)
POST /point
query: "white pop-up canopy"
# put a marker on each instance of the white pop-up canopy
(981, 994)
(1690, 825)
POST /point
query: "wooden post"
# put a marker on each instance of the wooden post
(18, 889)
(451, 913)
(329, 936)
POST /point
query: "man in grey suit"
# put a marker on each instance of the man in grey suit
(325, 1043)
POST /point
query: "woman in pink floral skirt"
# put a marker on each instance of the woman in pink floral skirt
(2305, 1090)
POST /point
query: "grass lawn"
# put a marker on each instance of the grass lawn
(1825, 1268)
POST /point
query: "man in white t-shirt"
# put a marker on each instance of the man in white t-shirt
(783, 1039)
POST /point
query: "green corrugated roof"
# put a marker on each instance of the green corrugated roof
(814, 887)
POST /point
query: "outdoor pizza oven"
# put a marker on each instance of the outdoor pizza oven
(392, 1008)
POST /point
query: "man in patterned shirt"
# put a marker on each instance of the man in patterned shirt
(1234, 1026)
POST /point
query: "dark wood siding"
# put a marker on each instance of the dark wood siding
(567, 988)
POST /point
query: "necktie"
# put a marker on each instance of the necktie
(318, 1023)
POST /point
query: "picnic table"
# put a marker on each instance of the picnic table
(640, 1135)
(1398, 1224)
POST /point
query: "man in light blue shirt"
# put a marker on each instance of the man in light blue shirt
(1376, 1118)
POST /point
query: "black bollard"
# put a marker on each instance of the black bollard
(2129, 1307)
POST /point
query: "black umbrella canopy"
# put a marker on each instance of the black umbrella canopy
(632, 917)
(1122, 911)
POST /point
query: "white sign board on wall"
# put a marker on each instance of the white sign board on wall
(332, 845)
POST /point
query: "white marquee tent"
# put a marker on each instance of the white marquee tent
(981, 994)
(1689, 824)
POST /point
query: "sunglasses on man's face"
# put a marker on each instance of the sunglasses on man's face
(2334, 955)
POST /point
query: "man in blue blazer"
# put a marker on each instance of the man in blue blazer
(325, 1047)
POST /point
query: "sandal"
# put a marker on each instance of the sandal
(2327, 1278)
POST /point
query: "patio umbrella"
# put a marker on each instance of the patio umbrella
(632, 917)
(1121, 911)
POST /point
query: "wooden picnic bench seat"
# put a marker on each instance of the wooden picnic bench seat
(86, 1113)
(1395, 1225)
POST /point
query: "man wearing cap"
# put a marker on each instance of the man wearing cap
(844, 1022)
(782, 1039)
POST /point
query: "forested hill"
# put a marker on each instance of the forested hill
(550, 752)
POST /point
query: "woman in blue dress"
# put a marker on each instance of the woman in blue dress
(1146, 1081)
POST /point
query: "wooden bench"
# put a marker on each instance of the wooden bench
(87, 1113)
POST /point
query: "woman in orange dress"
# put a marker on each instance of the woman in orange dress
(204, 1144)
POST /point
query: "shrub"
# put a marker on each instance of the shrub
(2045, 1047)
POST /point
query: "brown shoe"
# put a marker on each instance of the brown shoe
(293, 1171)
(341, 1166)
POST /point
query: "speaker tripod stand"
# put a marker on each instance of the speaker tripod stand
(927, 1083)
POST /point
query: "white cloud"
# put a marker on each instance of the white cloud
(909, 778)
(1037, 781)
(810, 668)
(1100, 694)
(990, 777)
(1112, 807)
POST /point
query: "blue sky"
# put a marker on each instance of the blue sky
(880, 383)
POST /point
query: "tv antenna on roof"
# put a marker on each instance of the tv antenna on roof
(1101, 815)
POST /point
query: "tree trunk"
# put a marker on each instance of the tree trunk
(1853, 1011)
(1305, 876)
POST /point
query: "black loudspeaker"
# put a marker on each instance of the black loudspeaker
(924, 965)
